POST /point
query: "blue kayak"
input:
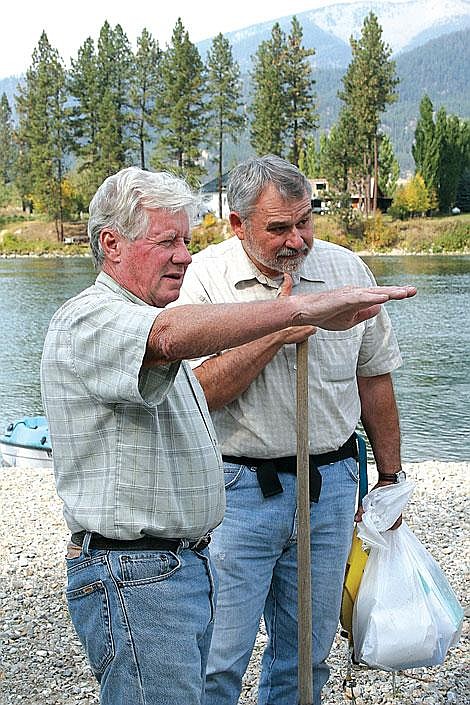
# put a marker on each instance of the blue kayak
(26, 443)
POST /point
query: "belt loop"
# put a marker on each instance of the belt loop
(86, 544)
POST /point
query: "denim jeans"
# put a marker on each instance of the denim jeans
(145, 620)
(255, 553)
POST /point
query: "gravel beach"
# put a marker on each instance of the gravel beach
(42, 661)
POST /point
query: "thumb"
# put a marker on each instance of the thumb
(286, 286)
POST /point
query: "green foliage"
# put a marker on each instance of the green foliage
(42, 131)
(368, 87)
(269, 104)
(389, 169)
(180, 110)
(145, 87)
(302, 116)
(283, 106)
(8, 151)
(378, 235)
(224, 104)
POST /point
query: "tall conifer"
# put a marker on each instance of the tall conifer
(269, 107)
(299, 85)
(224, 105)
(368, 87)
(180, 110)
(42, 130)
(7, 144)
(144, 89)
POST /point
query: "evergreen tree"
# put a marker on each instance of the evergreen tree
(180, 110)
(301, 110)
(114, 63)
(368, 87)
(269, 106)
(224, 104)
(389, 169)
(309, 159)
(425, 149)
(42, 131)
(341, 156)
(84, 87)
(7, 143)
(144, 90)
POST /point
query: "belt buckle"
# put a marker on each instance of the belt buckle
(201, 543)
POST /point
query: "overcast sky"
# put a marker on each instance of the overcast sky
(69, 22)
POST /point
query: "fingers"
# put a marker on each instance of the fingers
(397, 292)
(366, 313)
(286, 286)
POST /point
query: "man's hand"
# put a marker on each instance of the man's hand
(293, 334)
(341, 309)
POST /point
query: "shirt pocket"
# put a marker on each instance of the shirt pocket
(337, 353)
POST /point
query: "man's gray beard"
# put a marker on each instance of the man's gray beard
(282, 262)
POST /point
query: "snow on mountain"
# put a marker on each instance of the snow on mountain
(401, 21)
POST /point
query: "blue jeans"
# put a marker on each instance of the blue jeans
(145, 620)
(255, 554)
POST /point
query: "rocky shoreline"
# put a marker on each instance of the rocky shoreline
(42, 660)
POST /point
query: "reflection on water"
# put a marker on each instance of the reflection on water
(433, 387)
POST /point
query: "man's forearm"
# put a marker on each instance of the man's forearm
(380, 419)
(186, 332)
(225, 377)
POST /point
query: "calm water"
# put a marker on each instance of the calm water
(433, 386)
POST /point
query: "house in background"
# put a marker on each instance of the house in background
(210, 193)
(320, 204)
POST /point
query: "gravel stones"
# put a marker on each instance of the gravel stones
(42, 660)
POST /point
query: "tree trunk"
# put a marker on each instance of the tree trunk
(376, 174)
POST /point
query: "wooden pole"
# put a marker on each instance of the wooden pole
(304, 575)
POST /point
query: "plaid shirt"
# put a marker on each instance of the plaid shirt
(134, 449)
(261, 422)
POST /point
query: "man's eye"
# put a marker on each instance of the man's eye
(303, 222)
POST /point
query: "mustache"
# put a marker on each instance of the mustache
(292, 252)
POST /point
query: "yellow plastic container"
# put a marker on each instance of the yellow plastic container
(355, 565)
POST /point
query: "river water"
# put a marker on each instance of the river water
(432, 387)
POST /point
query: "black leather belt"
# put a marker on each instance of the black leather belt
(267, 469)
(146, 543)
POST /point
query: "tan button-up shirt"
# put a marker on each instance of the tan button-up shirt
(261, 422)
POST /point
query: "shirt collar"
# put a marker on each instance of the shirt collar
(244, 269)
(104, 279)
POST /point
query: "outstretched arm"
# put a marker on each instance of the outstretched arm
(192, 331)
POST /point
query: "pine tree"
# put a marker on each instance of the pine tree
(425, 149)
(341, 156)
(144, 90)
(84, 87)
(389, 169)
(7, 144)
(299, 85)
(224, 105)
(114, 72)
(42, 133)
(269, 106)
(368, 87)
(180, 110)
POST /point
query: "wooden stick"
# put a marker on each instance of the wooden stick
(304, 576)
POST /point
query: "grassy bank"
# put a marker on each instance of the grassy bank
(438, 235)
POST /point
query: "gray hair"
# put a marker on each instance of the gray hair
(122, 201)
(247, 181)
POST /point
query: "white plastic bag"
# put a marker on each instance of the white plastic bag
(406, 614)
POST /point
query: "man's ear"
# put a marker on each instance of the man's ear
(237, 225)
(111, 244)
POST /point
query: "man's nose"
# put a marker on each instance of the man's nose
(295, 239)
(182, 255)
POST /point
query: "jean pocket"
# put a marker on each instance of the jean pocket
(352, 469)
(232, 474)
(148, 567)
(90, 614)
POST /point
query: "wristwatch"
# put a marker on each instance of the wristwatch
(394, 477)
